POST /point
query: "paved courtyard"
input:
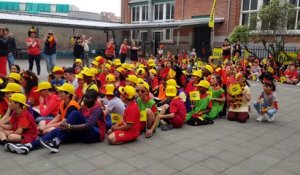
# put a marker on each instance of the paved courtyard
(226, 148)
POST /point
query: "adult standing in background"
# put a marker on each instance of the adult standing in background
(34, 52)
(11, 47)
(86, 49)
(110, 51)
(124, 50)
(50, 41)
(134, 52)
(78, 47)
(3, 51)
(226, 50)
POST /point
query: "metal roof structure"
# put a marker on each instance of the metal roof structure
(80, 23)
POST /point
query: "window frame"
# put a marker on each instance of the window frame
(164, 12)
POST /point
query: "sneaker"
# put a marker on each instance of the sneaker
(260, 118)
(166, 127)
(271, 119)
(16, 148)
(50, 145)
(298, 84)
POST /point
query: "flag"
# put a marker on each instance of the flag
(212, 15)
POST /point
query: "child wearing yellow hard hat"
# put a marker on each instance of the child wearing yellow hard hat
(21, 127)
(58, 73)
(129, 129)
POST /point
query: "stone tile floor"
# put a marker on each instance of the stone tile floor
(226, 148)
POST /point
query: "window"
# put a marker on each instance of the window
(158, 11)
(249, 11)
(164, 11)
(294, 16)
(169, 11)
(168, 34)
(139, 13)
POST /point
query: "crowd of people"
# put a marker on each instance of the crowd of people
(120, 100)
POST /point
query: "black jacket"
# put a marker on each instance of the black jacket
(3, 46)
(12, 47)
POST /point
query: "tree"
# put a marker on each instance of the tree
(272, 21)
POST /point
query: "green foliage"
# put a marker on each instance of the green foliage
(240, 33)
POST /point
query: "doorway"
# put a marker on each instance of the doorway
(202, 36)
(157, 39)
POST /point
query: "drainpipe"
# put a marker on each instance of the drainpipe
(228, 17)
(182, 9)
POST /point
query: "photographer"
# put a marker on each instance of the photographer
(78, 50)
(50, 41)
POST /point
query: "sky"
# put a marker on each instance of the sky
(96, 6)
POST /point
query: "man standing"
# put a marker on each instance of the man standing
(11, 47)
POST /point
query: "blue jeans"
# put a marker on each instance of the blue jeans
(50, 61)
(258, 107)
(90, 135)
(10, 59)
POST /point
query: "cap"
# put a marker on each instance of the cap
(58, 70)
(78, 60)
(66, 87)
(141, 71)
(14, 76)
(197, 73)
(110, 78)
(153, 71)
(96, 63)
(171, 91)
(172, 82)
(43, 85)
(117, 62)
(109, 89)
(88, 72)
(203, 83)
(18, 97)
(127, 91)
(12, 87)
(132, 78)
(209, 68)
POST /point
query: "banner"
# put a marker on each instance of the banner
(217, 53)
(211, 23)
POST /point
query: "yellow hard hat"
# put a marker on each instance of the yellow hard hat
(95, 70)
(126, 66)
(43, 85)
(96, 63)
(18, 97)
(153, 71)
(88, 72)
(57, 69)
(109, 89)
(172, 82)
(120, 70)
(203, 83)
(14, 76)
(80, 75)
(78, 60)
(12, 87)
(108, 66)
(197, 73)
(140, 80)
(127, 91)
(141, 71)
(110, 78)
(109, 62)
(145, 85)
(132, 78)
(209, 68)
(132, 66)
(151, 61)
(117, 62)
(171, 91)
(66, 87)
(142, 66)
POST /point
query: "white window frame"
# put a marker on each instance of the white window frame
(140, 19)
(136, 20)
(296, 18)
(249, 12)
(171, 35)
(164, 17)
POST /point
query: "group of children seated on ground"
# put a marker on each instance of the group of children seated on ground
(122, 100)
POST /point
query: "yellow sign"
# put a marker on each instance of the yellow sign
(282, 79)
(116, 118)
(235, 89)
(217, 53)
(143, 116)
(211, 23)
(194, 95)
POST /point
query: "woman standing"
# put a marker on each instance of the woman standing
(50, 50)
(3, 51)
(34, 52)
(134, 52)
(110, 50)
(124, 50)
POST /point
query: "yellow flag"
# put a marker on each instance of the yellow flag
(194, 95)
(212, 15)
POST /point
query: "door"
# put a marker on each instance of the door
(157, 39)
(202, 41)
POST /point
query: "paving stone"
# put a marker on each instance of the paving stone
(140, 161)
(14, 171)
(64, 159)
(157, 155)
(102, 160)
(159, 169)
(178, 163)
(123, 153)
(236, 170)
(87, 152)
(289, 166)
(216, 164)
(56, 171)
(230, 157)
(194, 156)
(174, 149)
(119, 168)
(199, 170)
(209, 150)
(79, 167)
(254, 165)
(38, 166)
(277, 171)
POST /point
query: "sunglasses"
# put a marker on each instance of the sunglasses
(140, 91)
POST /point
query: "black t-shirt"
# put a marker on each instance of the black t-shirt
(50, 48)
(78, 50)
(226, 52)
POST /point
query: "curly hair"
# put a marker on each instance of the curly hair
(31, 80)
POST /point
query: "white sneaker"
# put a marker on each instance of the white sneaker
(298, 84)
(271, 119)
(260, 118)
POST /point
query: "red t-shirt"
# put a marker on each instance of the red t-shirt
(79, 93)
(132, 115)
(3, 106)
(154, 82)
(178, 108)
(35, 48)
(291, 74)
(190, 87)
(26, 121)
